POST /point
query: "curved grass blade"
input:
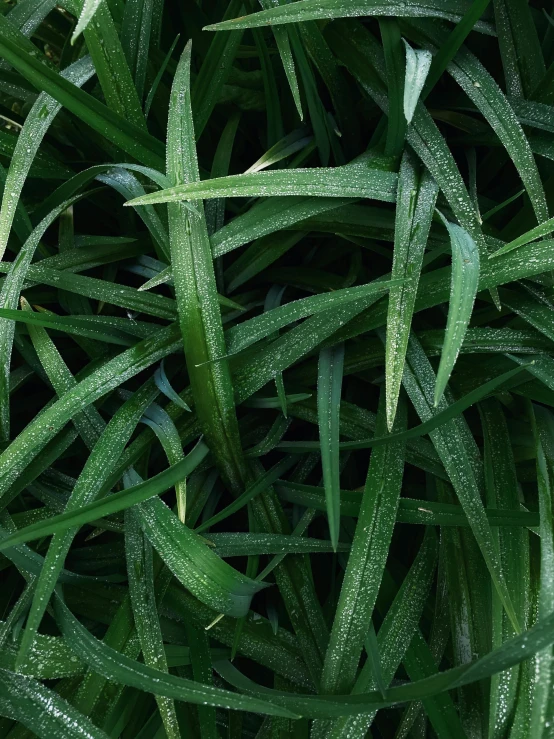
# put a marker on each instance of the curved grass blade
(115, 372)
(348, 181)
(116, 666)
(194, 564)
(9, 296)
(465, 281)
(245, 334)
(164, 386)
(310, 10)
(133, 140)
(510, 653)
(42, 710)
(112, 504)
(415, 205)
(104, 455)
(36, 125)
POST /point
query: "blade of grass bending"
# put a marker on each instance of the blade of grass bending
(104, 455)
(329, 389)
(366, 562)
(245, 334)
(29, 140)
(140, 572)
(481, 88)
(88, 422)
(450, 444)
(544, 443)
(194, 564)
(310, 10)
(161, 423)
(465, 281)
(9, 296)
(115, 128)
(196, 293)
(111, 504)
(42, 710)
(41, 429)
(510, 653)
(119, 668)
(348, 181)
(414, 212)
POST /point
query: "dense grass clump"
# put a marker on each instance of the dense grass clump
(277, 369)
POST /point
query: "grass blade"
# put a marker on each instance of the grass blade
(329, 384)
(414, 211)
(465, 280)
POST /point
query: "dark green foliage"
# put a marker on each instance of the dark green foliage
(277, 369)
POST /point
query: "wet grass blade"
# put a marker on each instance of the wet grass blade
(309, 10)
(329, 385)
(195, 287)
(366, 562)
(416, 198)
(465, 280)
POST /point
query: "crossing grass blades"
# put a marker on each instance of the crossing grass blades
(277, 369)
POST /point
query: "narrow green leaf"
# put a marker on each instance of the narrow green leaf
(418, 63)
(114, 665)
(414, 211)
(366, 562)
(195, 288)
(465, 280)
(356, 180)
(329, 388)
(309, 10)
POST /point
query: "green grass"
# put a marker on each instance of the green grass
(277, 369)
